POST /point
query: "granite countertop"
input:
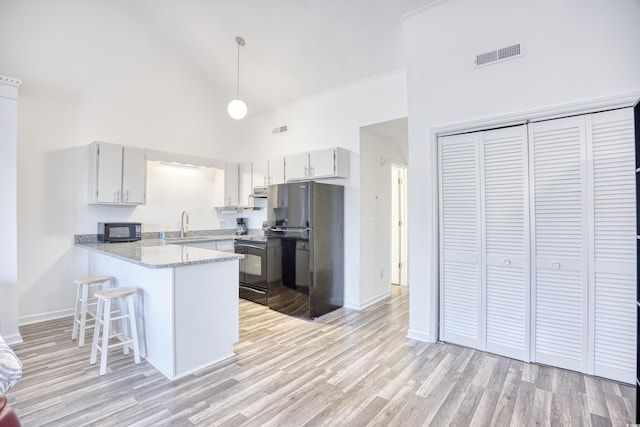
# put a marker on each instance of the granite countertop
(154, 253)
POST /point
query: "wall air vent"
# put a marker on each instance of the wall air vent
(280, 129)
(498, 55)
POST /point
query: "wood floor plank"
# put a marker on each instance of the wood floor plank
(348, 367)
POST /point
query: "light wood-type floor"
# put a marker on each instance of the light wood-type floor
(347, 368)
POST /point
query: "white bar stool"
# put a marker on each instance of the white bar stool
(84, 303)
(103, 321)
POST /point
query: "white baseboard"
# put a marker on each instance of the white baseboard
(374, 300)
(369, 302)
(419, 335)
(12, 339)
(43, 317)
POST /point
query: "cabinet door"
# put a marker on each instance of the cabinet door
(244, 184)
(558, 159)
(460, 240)
(134, 175)
(108, 173)
(505, 211)
(231, 184)
(613, 290)
(260, 173)
(297, 166)
(225, 245)
(322, 163)
(276, 171)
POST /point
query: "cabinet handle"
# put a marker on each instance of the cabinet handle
(555, 265)
(507, 262)
(116, 196)
(311, 171)
(306, 171)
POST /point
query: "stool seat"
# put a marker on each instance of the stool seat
(112, 293)
(104, 316)
(91, 280)
(84, 303)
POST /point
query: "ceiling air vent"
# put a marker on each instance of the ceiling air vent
(498, 55)
(279, 129)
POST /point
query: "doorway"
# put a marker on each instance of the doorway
(383, 249)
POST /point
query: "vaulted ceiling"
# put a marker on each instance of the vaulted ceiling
(294, 48)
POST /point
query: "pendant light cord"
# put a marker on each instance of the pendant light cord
(238, 73)
(239, 42)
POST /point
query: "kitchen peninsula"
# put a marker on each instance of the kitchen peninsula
(187, 306)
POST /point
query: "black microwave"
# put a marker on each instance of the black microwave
(112, 232)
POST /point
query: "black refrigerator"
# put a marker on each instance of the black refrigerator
(305, 229)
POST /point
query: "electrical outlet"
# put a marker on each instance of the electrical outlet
(222, 224)
(381, 273)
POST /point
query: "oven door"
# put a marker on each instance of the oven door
(253, 272)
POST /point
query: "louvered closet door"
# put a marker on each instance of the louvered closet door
(557, 159)
(614, 252)
(459, 240)
(506, 241)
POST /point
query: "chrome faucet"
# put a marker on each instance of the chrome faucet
(184, 225)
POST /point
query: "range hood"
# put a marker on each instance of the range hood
(259, 192)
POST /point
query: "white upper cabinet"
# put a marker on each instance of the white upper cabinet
(231, 184)
(245, 186)
(118, 174)
(297, 166)
(134, 175)
(226, 186)
(276, 171)
(260, 173)
(326, 163)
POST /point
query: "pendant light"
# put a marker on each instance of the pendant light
(237, 109)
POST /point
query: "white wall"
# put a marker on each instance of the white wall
(573, 51)
(375, 222)
(328, 120)
(91, 71)
(8, 212)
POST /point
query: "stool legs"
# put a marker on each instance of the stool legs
(83, 314)
(103, 321)
(74, 332)
(83, 302)
(134, 331)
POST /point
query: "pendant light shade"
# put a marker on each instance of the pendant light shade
(237, 109)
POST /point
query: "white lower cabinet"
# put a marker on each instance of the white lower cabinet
(537, 243)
